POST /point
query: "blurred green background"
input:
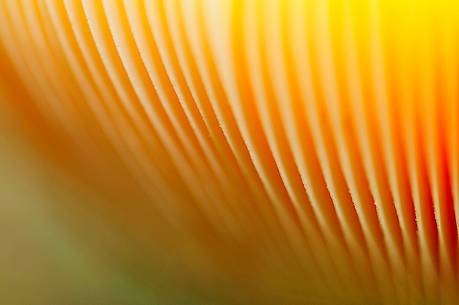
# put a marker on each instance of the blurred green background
(44, 263)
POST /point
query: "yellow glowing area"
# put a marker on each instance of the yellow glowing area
(290, 151)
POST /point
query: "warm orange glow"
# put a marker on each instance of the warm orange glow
(306, 150)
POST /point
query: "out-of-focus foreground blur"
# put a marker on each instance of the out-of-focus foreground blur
(42, 261)
(53, 250)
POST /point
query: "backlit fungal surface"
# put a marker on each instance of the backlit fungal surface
(232, 151)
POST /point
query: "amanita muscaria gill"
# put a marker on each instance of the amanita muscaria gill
(261, 151)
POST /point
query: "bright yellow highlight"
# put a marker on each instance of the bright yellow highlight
(307, 150)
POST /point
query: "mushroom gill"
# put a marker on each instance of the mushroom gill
(270, 151)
